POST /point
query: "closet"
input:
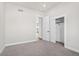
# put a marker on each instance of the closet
(60, 30)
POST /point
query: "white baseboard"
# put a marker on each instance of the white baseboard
(75, 50)
(1, 50)
(19, 43)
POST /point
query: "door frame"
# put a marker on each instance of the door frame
(64, 27)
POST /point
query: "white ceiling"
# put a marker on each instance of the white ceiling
(37, 5)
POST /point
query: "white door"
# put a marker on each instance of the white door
(52, 29)
(46, 30)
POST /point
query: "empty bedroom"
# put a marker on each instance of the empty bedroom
(39, 28)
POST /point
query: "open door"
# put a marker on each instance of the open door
(46, 28)
(49, 29)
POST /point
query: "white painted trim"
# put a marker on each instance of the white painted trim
(1, 50)
(11, 44)
(64, 15)
(70, 48)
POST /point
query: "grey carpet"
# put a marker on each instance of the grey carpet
(38, 48)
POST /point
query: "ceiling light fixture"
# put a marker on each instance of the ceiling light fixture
(44, 5)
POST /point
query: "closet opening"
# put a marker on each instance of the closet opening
(60, 31)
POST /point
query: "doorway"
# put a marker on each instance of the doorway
(60, 30)
(39, 27)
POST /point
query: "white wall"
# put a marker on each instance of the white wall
(1, 26)
(20, 26)
(71, 13)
